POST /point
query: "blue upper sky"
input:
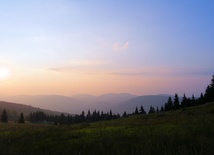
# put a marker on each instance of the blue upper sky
(141, 38)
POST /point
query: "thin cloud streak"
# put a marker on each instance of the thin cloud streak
(95, 69)
(61, 69)
(169, 72)
(128, 74)
(118, 47)
(80, 66)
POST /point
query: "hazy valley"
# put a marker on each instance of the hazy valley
(75, 104)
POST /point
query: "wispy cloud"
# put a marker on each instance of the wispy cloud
(168, 72)
(128, 73)
(146, 71)
(118, 47)
(61, 69)
(80, 66)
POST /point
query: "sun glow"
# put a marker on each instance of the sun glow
(5, 72)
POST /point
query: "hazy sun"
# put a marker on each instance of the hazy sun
(5, 72)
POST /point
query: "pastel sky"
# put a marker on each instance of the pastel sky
(141, 47)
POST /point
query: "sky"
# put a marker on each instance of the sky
(94, 47)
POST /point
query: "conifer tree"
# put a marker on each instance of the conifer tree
(4, 117)
(193, 100)
(111, 114)
(184, 102)
(124, 114)
(169, 104)
(151, 110)
(62, 119)
(21, 118)
(209, 93)
(98, 115)
(142, 111)
(162, 109)
(88, 116)
(157, 110)
(176, 102)
(201, 99)
(136, 111)
(102, 115)
(94, 115)
(82, 116)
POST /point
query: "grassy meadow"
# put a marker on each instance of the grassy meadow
(188, 131)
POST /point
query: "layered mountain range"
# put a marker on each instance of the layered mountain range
(75, 104)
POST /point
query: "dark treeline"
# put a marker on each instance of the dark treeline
(175, 104)
(4, 117)
(41, 117)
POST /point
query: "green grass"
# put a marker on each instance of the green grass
(188, 131)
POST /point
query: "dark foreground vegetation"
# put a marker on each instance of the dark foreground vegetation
(188, 131)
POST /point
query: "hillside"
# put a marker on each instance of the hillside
(145, 101)
(181, 132)
(14, 110)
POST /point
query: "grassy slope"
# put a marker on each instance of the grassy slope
(187, 131)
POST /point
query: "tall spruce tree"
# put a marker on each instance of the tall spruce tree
(209, 93)
(62, 119)
(192, 100)
(21, 118)
(111, 115)
(162, 109)
(124, 114)
(151, 110)
(142, 111)
(184, 102)
(4, 117)
(88, 116)
(201, 99)
(176, 102)
(169, 104)
(82, 116)
(157, 109)
(136, 111)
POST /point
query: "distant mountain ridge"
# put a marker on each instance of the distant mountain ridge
(75, 104)
(146, 101)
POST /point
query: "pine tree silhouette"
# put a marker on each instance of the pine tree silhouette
(176, 102)
(142, 111)
(4, 117)
(209, 93)
(21, 118)
(169, 104)
(124, 114)
(151, 110)
(184, 102)
(136, 111)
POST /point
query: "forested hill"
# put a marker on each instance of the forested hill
(14, 110)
